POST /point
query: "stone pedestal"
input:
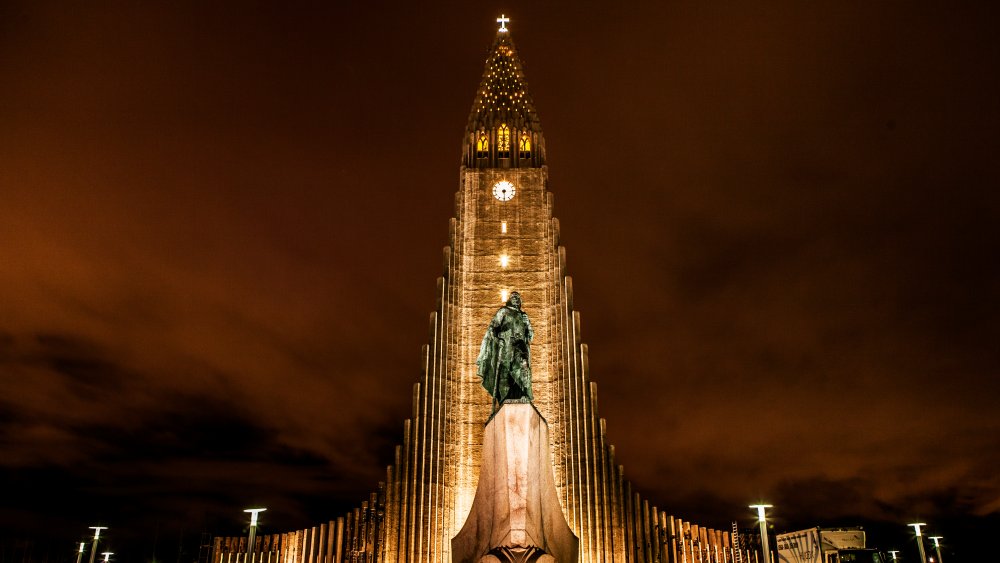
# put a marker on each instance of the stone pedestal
(515, 516)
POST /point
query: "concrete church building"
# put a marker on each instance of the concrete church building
(503, 238)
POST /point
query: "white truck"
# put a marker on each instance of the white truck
(830, 545)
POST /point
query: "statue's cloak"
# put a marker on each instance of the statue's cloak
(504, 361)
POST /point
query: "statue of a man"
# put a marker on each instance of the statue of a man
(504, 360)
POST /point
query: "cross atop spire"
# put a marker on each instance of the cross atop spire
(503, 20)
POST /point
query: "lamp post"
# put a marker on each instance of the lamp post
(253, 527)
(937, 545)
(763, 530)
(97, 534)
(79, 554)
(893, 554)
(920, 540)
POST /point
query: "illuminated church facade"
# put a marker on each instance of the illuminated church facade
(503, 238)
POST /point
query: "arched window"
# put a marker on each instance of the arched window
(503, 141)
(482, 145)
(524, 145)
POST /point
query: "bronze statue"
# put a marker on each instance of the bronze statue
(504, 360)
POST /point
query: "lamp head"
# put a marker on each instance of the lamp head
(253, 514)
(760, 510)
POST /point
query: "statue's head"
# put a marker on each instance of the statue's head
(514, 300)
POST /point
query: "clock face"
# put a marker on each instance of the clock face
(503, 190)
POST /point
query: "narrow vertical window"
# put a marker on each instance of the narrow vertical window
(503, 295)
(524, 145)
(504, 260)
(482, 145)
(503, 141)
(503, 227)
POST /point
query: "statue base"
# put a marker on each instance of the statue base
(516, 515)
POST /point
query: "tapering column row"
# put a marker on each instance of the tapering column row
(348, 539)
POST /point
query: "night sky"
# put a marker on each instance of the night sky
(221, 225)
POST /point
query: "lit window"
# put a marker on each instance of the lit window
(482, 145)
(503, 295)
(503, 227)
(504, 260)
(503, 141)
(524, 145)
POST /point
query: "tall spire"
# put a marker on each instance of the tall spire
(503, 129)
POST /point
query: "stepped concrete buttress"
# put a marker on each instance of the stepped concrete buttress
(516, 515)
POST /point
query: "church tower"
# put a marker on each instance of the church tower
(503, 238)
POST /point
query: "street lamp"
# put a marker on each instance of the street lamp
(107, 555)
(937, 545)
(97, 534)
(79, 554)
(763, 530)
(893, 554)
(920, 540)
(253, 526)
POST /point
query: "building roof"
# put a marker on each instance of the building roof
(503, 95)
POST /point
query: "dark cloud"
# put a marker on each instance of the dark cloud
(221, 227)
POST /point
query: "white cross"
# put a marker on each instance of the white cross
(503, 22)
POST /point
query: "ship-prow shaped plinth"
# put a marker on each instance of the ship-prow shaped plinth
(516, 515)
